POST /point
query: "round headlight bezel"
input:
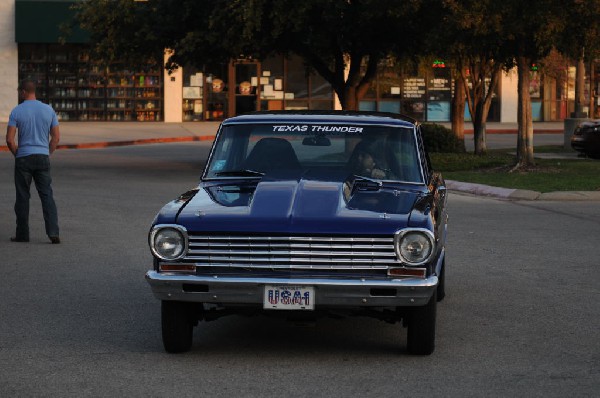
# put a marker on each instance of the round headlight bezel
(402, 234)
(155, 233)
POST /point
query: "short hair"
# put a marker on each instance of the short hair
(27, 85)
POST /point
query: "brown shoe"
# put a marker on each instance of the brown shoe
(17, 239)
(54, 239)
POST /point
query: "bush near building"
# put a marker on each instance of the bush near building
(441, 139)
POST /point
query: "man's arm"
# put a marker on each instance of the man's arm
(54, 138)
(11, 133)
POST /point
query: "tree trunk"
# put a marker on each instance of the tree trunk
(458, 109)
(479, 126)
(580, 87)
(355, 84)
(524, 117)
(479, 98)
(350, 102)
(592, 113)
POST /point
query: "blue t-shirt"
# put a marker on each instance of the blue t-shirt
(33, 120)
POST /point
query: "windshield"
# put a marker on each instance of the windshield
(315, 151)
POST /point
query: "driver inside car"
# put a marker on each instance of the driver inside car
(363, 162)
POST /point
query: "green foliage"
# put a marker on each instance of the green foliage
(199, 32)
(343, 41)
(467, 162)
(438, 138)
(577, 32)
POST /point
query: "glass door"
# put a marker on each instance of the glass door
(246, 85)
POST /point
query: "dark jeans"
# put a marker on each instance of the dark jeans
(36, 167)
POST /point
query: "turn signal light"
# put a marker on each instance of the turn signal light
(408, 272)
(177, 268)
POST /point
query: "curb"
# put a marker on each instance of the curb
(521, 194)
(516, 131)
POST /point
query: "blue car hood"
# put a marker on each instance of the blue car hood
(300, 207)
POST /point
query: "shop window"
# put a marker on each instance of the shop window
(414, 109)
(246, 76)
(321, 105)
(439, 94)
(438, 111)
(33, 64)
(216, 94)
(389, 82)
(296, 79)
(320, 88)
(369, 106)
(389, 106)
(78, 88)
(295, 105)
(272, 84)
(414, 90)
(193, 94)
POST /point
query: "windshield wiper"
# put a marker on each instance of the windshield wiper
(369, 179)
(240, 173)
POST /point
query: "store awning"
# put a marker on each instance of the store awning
(39, 21)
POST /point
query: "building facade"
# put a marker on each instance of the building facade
(9, 59)
(80, 89)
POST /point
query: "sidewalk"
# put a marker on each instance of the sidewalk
(82, 135)
(104, 134)
(77, 135)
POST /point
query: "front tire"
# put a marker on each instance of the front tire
(441, 288)
(177, 326)
(421, 328)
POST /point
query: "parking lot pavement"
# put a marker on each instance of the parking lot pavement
(520, 318)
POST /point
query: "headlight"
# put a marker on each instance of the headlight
(414, 246)
(168, 242)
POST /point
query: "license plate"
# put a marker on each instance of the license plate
(282, 297)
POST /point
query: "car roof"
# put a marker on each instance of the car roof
(336, 117)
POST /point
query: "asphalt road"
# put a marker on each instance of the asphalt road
(521, 316)
(498, 141)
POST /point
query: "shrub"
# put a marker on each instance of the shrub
(438, 138)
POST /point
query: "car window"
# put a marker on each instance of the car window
(316, 151)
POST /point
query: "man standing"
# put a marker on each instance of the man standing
(38, 134)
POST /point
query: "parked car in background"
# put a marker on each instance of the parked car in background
(303, 215)
(586, 139)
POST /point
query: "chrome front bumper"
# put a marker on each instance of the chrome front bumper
(328, 292)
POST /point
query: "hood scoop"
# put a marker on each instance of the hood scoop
(352, 206)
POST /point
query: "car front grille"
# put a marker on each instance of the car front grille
(293, 252)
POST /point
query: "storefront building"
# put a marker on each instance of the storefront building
(80, 89)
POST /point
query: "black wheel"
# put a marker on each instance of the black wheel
(177, 326)
(441, 288)
(421, 328)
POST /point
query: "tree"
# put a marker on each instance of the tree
(469, 38)
(343, 41)
(580, 41)
(199, 32)
(529, 30)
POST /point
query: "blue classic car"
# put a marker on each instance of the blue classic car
(305, 214)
